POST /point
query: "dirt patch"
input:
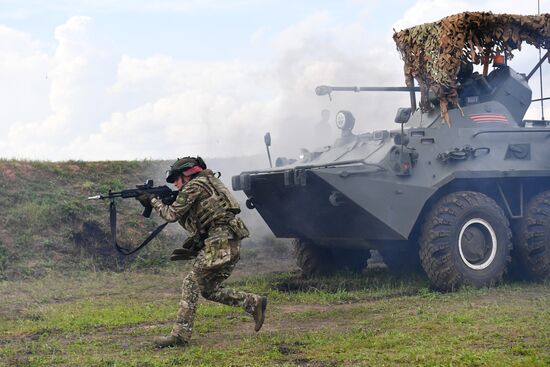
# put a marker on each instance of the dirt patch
(73, 168)
(309, 363)
(284, 324)
(8, 173)
(302, 307)
(289, 348)
(5, 236)
(91, 239)
(128, 339)
(10, 170)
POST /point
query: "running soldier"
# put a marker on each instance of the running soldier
(207, 211)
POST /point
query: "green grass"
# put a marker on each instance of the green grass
(109, 319)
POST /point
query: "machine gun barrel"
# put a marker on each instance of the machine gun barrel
(323, 90)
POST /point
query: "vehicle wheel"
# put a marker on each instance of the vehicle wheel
(533, 240)
(466, 239)
(401, 259)
(316, 260)
(312, 259)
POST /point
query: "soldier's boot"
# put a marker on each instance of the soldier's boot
(169, 341)
(259, 312)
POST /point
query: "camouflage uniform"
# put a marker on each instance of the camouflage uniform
(205, 207)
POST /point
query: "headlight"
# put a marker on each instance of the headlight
(345, 120)
(340, 120)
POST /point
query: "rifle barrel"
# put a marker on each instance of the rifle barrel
(110, 195)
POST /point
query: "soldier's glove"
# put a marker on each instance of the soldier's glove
(144, 199)
(183, 254)
(192, 243)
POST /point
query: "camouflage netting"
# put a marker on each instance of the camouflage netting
(433, 52)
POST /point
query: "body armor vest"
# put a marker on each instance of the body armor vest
(220, 206)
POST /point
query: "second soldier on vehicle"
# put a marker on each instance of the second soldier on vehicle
(207, 211)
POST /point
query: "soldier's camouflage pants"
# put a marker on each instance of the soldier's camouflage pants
(206, 281)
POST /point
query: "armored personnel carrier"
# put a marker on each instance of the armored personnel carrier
(460, 187)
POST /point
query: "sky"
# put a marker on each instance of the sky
(140, 79)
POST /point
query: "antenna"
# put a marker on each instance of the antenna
(267, 141)
(540, 75)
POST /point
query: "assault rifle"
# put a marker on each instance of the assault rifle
(167, 195)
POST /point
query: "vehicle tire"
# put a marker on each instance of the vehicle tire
(315, 260)
(401, 259)
(533, 238)
(465, 240)
(312, 259)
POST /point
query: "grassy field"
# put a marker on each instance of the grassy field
(109, 319)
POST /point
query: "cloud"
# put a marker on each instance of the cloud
(258, 36)
(23, 70)
(76, 76)
(28, 8)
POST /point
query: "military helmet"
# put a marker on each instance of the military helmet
(182, 165)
